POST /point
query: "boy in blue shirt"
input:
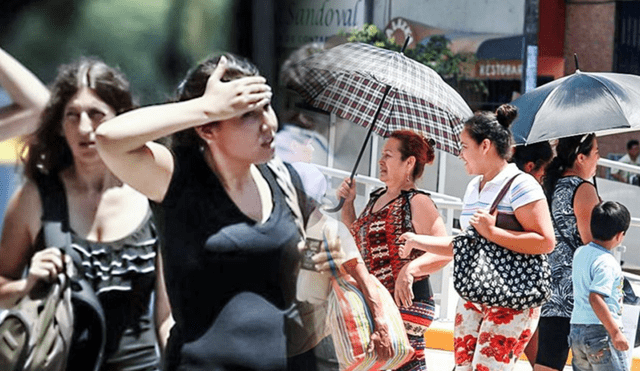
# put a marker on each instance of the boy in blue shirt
(596, 337)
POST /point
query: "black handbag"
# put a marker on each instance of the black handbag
(489, 274)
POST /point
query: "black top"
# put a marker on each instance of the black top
(122, 274)
(229, 278)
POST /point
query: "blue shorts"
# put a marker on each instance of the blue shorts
(592, 349)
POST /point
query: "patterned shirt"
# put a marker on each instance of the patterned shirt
(567, 241)
(376, 234)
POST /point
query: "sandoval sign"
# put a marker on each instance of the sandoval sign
(304, 21)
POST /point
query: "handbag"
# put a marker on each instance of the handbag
(38, 332)
(489, 274)
(351, 324)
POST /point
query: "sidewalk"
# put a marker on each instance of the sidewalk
(439, 350)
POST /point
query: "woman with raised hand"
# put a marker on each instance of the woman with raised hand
(397, 208)
(228, 218)
(109, 222)
(571, 197)
(486, 149)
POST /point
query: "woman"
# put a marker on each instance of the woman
(231, 252)
(110, 223)
(533, 159)
(391, 211)
(485, 150)
(571, 198)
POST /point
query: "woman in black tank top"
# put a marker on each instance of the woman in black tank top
(110, 223)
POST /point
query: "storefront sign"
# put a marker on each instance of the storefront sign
(304, 21)
(498, 70)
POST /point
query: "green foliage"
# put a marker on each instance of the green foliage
(153, 42)
(435, 53)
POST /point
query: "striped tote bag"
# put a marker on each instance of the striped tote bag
(351, 324)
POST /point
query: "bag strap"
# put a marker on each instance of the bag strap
(55, 216)
(501, 194)
(283, 178)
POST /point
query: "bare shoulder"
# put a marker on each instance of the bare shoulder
(421, 201)
(26, 205)
(21, 226)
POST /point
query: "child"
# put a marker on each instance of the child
(596, 337)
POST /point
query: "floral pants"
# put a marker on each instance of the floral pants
(491, 338)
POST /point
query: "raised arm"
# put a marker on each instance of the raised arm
(125, 142)
(29, 96)
(347, 190)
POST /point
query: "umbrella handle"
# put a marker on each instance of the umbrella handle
(337, 207)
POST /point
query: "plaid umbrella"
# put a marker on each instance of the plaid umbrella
(382, 90)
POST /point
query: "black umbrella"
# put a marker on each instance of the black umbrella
(585, 102)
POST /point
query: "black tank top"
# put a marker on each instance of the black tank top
(122, 274)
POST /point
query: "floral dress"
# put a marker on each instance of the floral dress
(377, 234)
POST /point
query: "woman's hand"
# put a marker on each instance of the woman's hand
(224, 100)
(45, 266)
(403, 292)
(322, 259)
(380, 341)
(482, 221)
(347, 190)
(407, 243)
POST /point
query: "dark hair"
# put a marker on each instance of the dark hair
(495, 127)
(46, 150)
(195, 83)
(567, 152)
(412, 144)
(608, 219)
(539, 153)
(631, 143)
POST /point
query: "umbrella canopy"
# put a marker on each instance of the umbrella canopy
(585, 102)
(373, 86)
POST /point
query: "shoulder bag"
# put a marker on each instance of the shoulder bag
(39, 331)
(489, 274)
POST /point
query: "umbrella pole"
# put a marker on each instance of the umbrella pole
(364, 145)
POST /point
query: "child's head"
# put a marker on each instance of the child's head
(608, 219)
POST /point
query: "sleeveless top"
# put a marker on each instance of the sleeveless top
(229, 278)
(567, 241)
(377, 234)
(122, 274)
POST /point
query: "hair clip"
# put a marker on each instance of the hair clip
(584, 137)
(431, 141)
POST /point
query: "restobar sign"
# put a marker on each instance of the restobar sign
(498, 70)
(304, 21)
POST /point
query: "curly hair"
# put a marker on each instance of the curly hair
(195, 84)
(495, 127)
(412, 144)
(46, 150)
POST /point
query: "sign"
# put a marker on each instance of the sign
(305, 21)
(498, 70)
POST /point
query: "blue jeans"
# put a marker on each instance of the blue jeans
(593, 350)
